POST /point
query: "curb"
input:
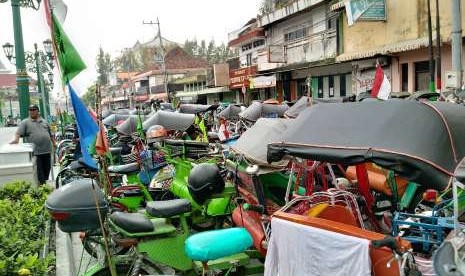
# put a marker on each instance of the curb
(64, 254)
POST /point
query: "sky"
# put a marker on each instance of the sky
(117, 24)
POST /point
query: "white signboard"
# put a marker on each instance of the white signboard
(364, 80)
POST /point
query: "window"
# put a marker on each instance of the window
(249, 59)
(422, 77)
(297, 34)
(246, 47)
(331, 86)
(331, 23)
(258, 43)
(320, 87)
(404, 76)
(302, 88)
(342, 86)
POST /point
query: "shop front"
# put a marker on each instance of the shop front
(240, 81)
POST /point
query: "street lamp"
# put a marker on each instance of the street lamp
(40, 63)
(22, 79)
(8, 49)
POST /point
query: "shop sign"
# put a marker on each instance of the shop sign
(240, 77)
(263, 82)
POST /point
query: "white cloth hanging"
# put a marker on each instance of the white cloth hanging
(300, 250)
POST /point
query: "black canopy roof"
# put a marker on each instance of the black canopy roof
(299, 106)
(422, 141)
(129, 126)
(257, 110)
(230, 112)
(169, 120)
(196, 108)
(113, 119)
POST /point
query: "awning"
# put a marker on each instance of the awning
(403, 46)
(141, 98)
(214, 90)
(263, 82)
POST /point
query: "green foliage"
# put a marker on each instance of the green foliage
(22, 221)
(128, 62)
(104, 67)
(213, 53)
(89, 97)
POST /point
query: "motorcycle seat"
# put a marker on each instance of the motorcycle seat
(124, 169)
(132, 222)
(216, 244)
(84, 165)
(168, 208)
(74, 165)
(116, 150)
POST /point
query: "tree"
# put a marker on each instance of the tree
(104, 67)
(89, 97)
(211, 49)
(127, 62)
(203, 49)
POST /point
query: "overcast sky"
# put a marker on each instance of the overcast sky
(116, 24)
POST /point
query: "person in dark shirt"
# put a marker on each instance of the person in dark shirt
(36, 131)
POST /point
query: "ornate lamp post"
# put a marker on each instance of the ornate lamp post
(22, 79)
(39, 63)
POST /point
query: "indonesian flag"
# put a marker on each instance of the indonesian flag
(223, 133)
(381, 86)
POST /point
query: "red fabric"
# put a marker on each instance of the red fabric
(101, 142)
(93, 114)
(379, 76)
(48, 13)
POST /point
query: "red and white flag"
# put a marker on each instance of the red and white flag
(381, 86)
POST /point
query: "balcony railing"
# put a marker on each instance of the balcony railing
(319, 46)
(286, 11)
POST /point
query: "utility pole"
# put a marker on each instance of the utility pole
(129, 69)
(438, 51)
(430, 49)
(456, 34)
(163, 62)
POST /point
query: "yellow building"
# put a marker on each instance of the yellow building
(400, 42)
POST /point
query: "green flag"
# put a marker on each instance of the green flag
(68, 58)
(140, 129)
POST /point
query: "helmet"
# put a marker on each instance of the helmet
(156, 132)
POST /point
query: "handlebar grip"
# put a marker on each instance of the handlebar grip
(388, 241)
(255, 208)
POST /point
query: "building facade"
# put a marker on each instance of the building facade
(400, 40)
(303, 39)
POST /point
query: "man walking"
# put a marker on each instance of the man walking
(36, 131)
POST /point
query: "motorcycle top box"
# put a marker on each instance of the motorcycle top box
(74, 205)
